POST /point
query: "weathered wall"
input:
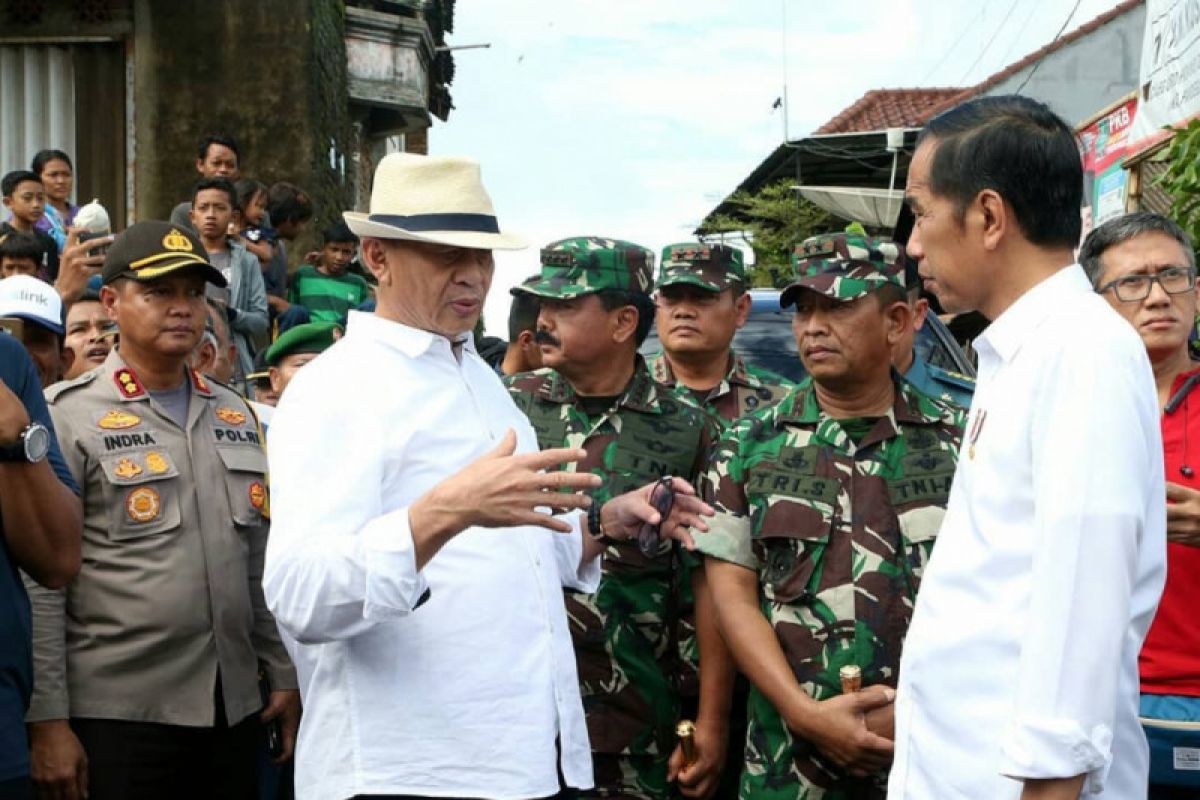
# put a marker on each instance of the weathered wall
(271, 73)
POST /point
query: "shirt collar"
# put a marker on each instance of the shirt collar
(1020, 322)
(412, 342)
(801, 406)
(738, 373)
(641, 393)
(128, 387)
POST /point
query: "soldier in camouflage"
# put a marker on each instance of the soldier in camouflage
(596, 393)
(911, 362)
(702, 302)
(827, 508)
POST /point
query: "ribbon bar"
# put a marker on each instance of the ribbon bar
(474, 223)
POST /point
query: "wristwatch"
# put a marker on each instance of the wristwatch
(31, 446)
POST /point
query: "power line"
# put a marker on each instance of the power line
(1011, 7)
(1017, 39)
(1033, 71)
(962, 35)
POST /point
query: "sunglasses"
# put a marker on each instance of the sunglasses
(662, 497)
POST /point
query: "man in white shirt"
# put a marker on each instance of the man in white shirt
(1019, 674)
(410, 567)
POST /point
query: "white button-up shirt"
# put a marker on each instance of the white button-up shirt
(465, 694)
(1021, 660)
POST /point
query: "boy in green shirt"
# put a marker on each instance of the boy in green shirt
(327, 290)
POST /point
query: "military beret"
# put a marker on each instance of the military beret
(589, 264)
(311, 337)
(714, 267)
(844, 266)
(151, 249)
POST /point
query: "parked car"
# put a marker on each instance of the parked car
(766, 340)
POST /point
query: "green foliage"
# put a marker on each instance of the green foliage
(775, 218)
(1182, 178)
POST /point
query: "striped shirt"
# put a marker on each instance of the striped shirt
(327, 298)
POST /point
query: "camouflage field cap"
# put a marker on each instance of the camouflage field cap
(588, 264)
(714, 267)
(844, 266)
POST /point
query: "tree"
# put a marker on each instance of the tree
(772, 220)
(1182, 178)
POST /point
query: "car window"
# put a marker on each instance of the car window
(766, 341)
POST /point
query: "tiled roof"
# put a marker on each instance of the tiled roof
(879, 109)
(889, 108)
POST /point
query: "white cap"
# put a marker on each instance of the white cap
(25, 297)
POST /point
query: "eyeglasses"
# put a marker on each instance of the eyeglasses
(662, 497)
(1132, 288)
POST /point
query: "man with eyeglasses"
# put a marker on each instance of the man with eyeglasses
(827, 508)
(632, 637)
(701, 303)
(1144, 265)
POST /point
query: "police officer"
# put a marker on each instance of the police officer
(147, 669)
(827, 508)
(913, 364)
(595, 392)
(702, 302)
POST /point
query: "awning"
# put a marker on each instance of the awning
(874, 208)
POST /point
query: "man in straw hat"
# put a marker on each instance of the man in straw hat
(413, 566)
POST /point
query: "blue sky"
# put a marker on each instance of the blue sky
(633, 118)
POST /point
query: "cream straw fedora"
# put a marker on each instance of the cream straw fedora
(432, 199)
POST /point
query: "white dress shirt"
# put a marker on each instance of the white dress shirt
(463, 695)
(1021, 660)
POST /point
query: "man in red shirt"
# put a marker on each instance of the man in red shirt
(1145, 267)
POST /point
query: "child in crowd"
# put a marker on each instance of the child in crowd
(20, 254)
(25, 199)
(289, 209)
(327, 289)
(244, 300)
(53, 168)
(248, 220)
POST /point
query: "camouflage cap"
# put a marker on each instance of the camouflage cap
(588, 264)
(714, 267)
(844, 266)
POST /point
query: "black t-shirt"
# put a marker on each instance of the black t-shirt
(16, 659)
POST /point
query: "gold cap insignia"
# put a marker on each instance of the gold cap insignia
(177, 241)
(127, 469)
(156, 463)
(230, 416)
(142, 504)
(258, 495)
(117, 420)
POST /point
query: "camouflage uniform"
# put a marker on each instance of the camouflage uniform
(630, 669)
(715, 268)
(837, 532)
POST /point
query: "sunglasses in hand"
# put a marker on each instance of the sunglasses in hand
(662, 497)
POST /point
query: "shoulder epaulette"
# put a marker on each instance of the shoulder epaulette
(54, 390)
(953, 378)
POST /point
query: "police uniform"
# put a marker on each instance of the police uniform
(837, 519)
(166, 622)
(715, 268)
(633, 638)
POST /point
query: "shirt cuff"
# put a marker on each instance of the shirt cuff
(727, 538)
(1057, 748)
(568, 548)
(395, 587)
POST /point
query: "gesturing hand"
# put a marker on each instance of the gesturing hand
(500, 490)
(624, 516)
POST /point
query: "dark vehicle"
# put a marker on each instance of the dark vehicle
(766, 340)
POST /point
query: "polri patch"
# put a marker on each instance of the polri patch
(230, 416)
(143, 504)
(117, 420)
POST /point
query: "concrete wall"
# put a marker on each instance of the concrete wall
(272, 73)
(1088, 74)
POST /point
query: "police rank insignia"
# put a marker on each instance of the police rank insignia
(230, 416)
(127, 382)
(177, 242)
(258, 495)
(200, 384)
(127, 469)
(142, 504)
(117, 420)
(156, 463)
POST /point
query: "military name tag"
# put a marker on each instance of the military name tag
(935, 488)
(769, 479)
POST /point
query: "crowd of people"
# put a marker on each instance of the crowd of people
(272, 531)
